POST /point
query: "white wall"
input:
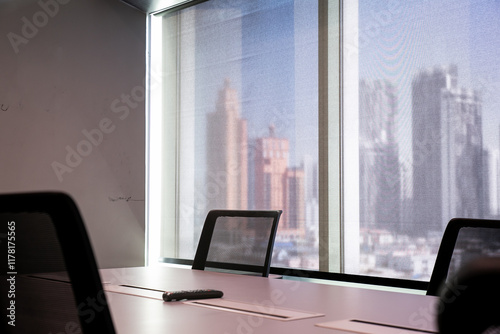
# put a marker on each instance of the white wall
(68, 67)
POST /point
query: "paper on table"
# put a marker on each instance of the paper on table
(370, 327)
(271, 312)
(134, 291)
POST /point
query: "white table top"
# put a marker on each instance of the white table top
(136, 314)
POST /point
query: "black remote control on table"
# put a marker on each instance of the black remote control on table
(169, 296)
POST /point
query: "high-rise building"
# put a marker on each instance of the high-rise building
(227, 153)
(278, 187)
(447, 145)
(491, 182)
(380, 176)
(311, 191)
(294, 204)
(270, 165)
(462, 155)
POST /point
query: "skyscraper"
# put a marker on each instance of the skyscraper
(227, 153)
(294, 204)
(271, 162)
(278, 187)
(447, 144)
(380, 176)
(463, 188)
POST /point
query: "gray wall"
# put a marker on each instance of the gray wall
(72, 113)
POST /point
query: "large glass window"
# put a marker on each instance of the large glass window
(244, 78)
(369, 123)
(428, 127)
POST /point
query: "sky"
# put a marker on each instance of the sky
(401, 37)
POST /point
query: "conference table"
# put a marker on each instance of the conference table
(254, 304)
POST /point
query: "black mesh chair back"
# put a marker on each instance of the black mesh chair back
(468, 303)
(463, 241)
(49, 278)
(239, 240)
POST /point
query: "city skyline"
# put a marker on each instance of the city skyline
(254, 176)
(455, 116)
(267, 50)
(273, 67)
(448, 163)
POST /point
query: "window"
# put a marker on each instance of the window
(237, 115)
(428, 127)
(369, 148)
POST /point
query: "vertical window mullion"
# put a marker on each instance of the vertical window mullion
(330, 247)
(350, 137)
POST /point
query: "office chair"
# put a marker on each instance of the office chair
(240, 240)
(463, 240)
(469, 302)
(51, 282)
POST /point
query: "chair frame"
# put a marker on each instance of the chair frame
(76, 248)
(447, 246)
(200, 259)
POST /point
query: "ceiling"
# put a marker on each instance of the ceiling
(152, 6)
